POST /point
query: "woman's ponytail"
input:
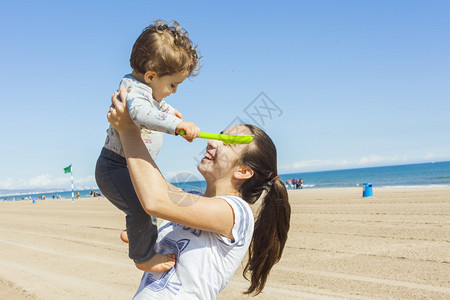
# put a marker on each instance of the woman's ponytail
(273, 218)
(269, 237)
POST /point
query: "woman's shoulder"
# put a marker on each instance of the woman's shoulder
(238, 205)
(243, 221)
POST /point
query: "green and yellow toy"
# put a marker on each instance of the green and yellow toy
(225, 138)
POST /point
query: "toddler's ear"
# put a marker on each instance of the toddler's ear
(149, 76)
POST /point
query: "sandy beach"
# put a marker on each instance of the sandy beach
(394, 245)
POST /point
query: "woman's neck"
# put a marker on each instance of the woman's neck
(221, 188)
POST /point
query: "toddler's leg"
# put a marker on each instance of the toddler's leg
(115, 183)
(124, 237)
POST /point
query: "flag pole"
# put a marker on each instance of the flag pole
(71, 175)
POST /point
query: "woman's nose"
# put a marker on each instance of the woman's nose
(214, 143)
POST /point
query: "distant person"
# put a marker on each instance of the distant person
(288, 183)
(300, 183)
(294, 183)
(77, 195)
(162, 57)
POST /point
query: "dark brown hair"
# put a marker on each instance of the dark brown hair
(272, 222)
(165, 50)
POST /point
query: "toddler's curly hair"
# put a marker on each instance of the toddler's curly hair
(165, 50)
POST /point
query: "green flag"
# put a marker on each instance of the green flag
(68, 169)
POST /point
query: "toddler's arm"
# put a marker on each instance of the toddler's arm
(178, 114)
(145, 114)
(170, 109)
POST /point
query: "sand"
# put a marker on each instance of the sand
(394, 245)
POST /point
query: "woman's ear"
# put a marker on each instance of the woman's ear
(243, 173)
(149, 76)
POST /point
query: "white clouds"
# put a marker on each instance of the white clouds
(9, 183)
(45, 181)
(322, 165)
(311, 164)
(431, 156)
(370, 159)
(42, 180)
(88, 180)
(377, 159)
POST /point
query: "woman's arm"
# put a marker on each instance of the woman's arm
(210, 214)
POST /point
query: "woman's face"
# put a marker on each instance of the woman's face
(219, 160)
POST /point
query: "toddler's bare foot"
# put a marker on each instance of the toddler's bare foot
(124, 236)
(158, 263)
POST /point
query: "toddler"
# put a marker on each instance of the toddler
(162, 58)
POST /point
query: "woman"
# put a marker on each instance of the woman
(210, 234)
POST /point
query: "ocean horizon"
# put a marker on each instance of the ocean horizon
(419, 175)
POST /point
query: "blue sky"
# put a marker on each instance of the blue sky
(350, 83)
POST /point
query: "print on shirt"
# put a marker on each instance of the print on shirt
(146, 135)
(196, 232)
(161, 117)
(159, 281)
(146, 96)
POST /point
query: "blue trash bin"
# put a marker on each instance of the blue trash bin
(367, 189)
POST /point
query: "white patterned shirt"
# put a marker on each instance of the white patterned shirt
(153, 117)
(205, 261)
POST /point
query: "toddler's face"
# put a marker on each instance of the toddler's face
(166, 85)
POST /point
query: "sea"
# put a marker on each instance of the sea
(423, 175)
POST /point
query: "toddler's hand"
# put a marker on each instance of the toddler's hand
(177, 114)
(191, 130)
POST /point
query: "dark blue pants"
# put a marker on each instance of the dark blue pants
(113, 180)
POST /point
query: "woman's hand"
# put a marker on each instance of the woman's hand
(118, 114)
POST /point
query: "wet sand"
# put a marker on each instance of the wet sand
(341, 246)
